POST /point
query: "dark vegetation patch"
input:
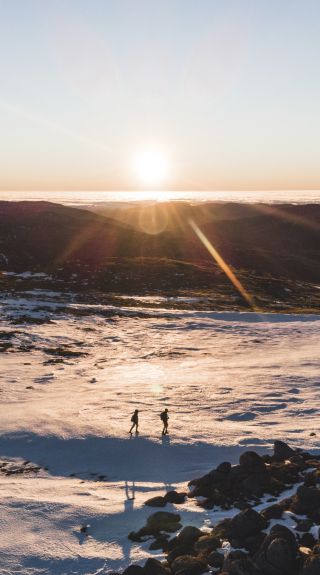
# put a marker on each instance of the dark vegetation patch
(64, 351)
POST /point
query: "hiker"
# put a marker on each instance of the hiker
(164, 417)
(135, 421)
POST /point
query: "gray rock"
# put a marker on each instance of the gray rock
(188, 565)
(246, 523)
(155, 567)
(189, 535)
(282, 451)
(207, 542)
(134, 570)
(304, 525)
(311, 565)
(164, 521)
(251, 462)
(156, 502)
(224, 468)
(215, 560)
(272, 512)
(175, 497)
(278, 552)
(279, 555)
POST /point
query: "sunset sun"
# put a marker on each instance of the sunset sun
(151, 166)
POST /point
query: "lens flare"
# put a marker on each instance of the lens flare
(223, 265)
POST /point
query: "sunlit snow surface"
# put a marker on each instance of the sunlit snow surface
(230, 381)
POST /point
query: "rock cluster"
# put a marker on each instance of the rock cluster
(254, 548)
(14, 468)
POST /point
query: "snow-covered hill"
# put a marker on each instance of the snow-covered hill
(72, 374)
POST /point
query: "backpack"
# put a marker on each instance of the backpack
(134, 418)
(164, 416)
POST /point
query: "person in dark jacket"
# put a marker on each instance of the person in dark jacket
(135, 421)
(164, 418)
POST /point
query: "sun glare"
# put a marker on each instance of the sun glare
(151, 166)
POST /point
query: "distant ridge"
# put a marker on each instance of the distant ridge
(282, 240)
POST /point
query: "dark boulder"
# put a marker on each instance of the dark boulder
(282, 451)
(246, 523)
(307, 540)
(306, 501)
(257, 484)
(222, 529)
(189, 535)
(134, 570)
(160, 542)
(164, 521)
(215, 560)
(156, 502)
(224, 468)
(254, 542)
(304, 525)
(243, 567)
(311, 565)
(272, 512)
(238, 563)
(179, 551)
(277, 554)
(207, 543)
(251, 462)
(188, 565)
(175, 497)
(309, 496)
(155, 567)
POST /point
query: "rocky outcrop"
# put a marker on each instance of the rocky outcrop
(170, 497)
(255, 548)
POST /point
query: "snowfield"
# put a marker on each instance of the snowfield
(71, 376)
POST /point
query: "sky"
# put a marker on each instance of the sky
(227, 92)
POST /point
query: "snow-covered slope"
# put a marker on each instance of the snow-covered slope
(72, 375)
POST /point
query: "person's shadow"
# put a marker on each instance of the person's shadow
(128, 507)
(130, 496)
(165, 440)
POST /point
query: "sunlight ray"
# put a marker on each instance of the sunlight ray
(223, 265)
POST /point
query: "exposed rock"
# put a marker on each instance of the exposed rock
(243, 567)
(160, 542)
(311, 565)
(222, 529)
(304, 525)
(272, 512)
(260, 483)
(188, 565)
(164, 521)
(277, 555)
(307, 540)
(179, 551)
(156, 502)
(246, 523)
(282, 451)
(155, 567)
(189, 535)
(134, 570)
(215, 560)
(208, 543)
(192, 551)
(175, 497)
(251, 462)
(254, 542)
(224, 467)
(233, 556)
